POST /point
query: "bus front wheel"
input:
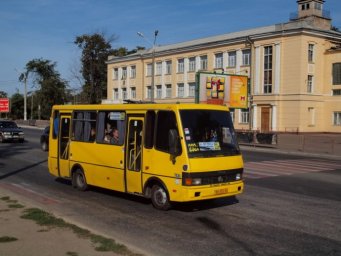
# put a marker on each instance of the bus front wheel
(79, 181)
(160, 198)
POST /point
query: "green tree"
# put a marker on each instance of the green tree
(17, 106)
(3, 94)
(95, 51)
(51, 89)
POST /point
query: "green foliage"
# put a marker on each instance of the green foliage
(6, 239)
(51, 88)
(3, 94)
(17, 106)
(95, 51)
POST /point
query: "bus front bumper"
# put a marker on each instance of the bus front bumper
(194, 193)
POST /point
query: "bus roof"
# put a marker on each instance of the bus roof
(144, 106)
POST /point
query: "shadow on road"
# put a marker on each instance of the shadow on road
(182, 207)
(4, 176)
(205, 204)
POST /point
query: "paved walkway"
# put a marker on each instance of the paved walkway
(22, 237)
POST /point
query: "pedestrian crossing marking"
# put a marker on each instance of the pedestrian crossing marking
(264, 169)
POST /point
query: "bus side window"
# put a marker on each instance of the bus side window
(108, 121)
(166, 121)
(84, 126)
(149, 131)
(55, 126)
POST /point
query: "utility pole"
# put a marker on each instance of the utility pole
(156, 32)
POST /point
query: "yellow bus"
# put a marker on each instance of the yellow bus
(164, 152)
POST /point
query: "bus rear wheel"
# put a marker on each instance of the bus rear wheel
(160, 198)
(79, 181)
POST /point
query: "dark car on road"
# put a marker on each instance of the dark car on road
(9, 131)
(44, 139)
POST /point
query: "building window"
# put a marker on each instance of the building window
(318, 6)
(191, 92)
(168, 90)
(337, 118)
(203, 62)
(133, 92)
(232, 114)
(158, 68)
(336, 73)
(219, 60)
(305, 6)
(115, 74)
(133, 72)
(149, 92)
(116, 96)
(311, 53)
(267, 69)
(246, 57)
(310, 84)
(124, 93)
(232, 59)
(244, 116)
(149, 69)
(158, 91)
(124, 73)
(180, 65)
(311, 120)
(168, 67)
(191, 64)
(181, 90)
(336, 92)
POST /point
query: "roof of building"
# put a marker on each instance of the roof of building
(232, 37)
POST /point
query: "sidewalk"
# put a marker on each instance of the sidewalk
(27, 230)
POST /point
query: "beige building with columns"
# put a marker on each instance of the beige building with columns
(294, 70)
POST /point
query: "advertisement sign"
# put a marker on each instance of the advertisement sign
(238, 92)
(4, 105)
(222, 89)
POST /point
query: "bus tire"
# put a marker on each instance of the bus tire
(160, 198)
(79, 181)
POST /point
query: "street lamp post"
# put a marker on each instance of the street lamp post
(23, 77)
(156, 32)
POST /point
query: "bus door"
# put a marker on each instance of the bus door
(133, 171)
(64, 145)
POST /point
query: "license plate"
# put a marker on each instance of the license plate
(220, 191)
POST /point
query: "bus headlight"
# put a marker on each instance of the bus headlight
(238, 176)
(192, 181)
(196, 181)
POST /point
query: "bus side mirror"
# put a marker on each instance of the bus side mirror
(173, 140)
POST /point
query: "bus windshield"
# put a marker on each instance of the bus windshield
(209, 133)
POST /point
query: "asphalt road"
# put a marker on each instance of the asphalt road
(291, 206)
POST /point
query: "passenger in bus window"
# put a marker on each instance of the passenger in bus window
(115, 139)
(93, 134)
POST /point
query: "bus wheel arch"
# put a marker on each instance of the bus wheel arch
(78, 178)
(157, 191)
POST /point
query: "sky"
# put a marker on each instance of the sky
(33, 29)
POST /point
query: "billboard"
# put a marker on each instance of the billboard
(4, 105)
(222, 89)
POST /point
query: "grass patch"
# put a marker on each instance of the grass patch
(7, 239)
(5, 198)
(72, 253)
(16, 206)
(101, 243)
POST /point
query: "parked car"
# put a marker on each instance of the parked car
(9, 131)
(44, 139)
